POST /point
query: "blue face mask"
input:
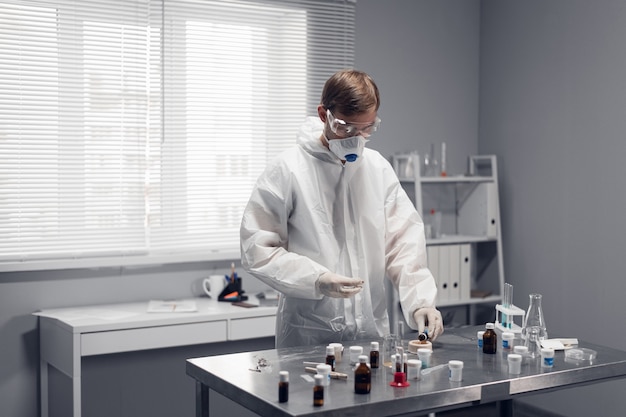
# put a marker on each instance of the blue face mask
(348, 149)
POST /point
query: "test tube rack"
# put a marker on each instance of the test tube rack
(505, 318)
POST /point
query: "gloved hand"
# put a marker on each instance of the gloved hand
(338, 286)
(430, 316)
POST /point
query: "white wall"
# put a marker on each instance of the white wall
(553, 108)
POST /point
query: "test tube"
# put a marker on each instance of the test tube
(510, 303)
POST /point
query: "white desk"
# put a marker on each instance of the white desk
(68, 334)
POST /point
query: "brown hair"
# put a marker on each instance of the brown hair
(350, 92)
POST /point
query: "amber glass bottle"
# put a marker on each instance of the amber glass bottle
(374, 355)
(283, 387)
(490, 339)
(318, 391)
(330, 357)
(362, 377)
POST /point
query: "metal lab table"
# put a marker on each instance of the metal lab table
(485, 380)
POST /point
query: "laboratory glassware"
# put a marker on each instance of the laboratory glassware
(534, 329)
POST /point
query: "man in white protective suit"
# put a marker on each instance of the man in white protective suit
(327, 221)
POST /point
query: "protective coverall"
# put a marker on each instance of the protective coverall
(309, 214)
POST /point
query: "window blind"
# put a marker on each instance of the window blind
(132, 132)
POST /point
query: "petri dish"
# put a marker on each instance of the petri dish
(580, 354)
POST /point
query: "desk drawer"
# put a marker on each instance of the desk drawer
(152, 337)
(250, 328)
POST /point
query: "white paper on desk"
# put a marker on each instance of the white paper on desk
(559, 344)
(86, 313)
(174, 306)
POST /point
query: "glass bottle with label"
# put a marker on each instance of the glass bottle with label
(362, 377)
(318, 391)
(490, 339)
(374, 355)
(283, 387)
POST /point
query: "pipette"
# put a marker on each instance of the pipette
(434, 368)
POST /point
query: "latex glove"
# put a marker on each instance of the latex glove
(338, 286)
(429, 316)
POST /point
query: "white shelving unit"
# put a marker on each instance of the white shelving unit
(466, 258)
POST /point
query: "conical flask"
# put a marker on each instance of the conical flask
(534, 328)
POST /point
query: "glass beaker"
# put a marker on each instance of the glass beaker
(430, 164)
(390, 343)
(534, 328)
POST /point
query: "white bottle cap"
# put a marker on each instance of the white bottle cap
(514, 357)
(414, 363)
(374, 346)
(284, 376)
(455, 364)
(330, 350)
(355, 352)
(323, 369)
(547, 352)
(490, 326)
(355, 349)
(424, 351)
(508, 335)
(363, 359)
(480, 334)
(520, 349)
(319, 380)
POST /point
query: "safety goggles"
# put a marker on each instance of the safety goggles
(344, 129)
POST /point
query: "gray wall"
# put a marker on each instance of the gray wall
(424, 56)
(553, 108)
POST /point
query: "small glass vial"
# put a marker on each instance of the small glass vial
(362, 377)
(490, 339)
(283, 386)
(479, 336)
(318, 391)
(547, 357)
(374, 355)
(338, 351)
(455, 368)
(330, 357)
(515, 363)
(507, 340)
(400, 360)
